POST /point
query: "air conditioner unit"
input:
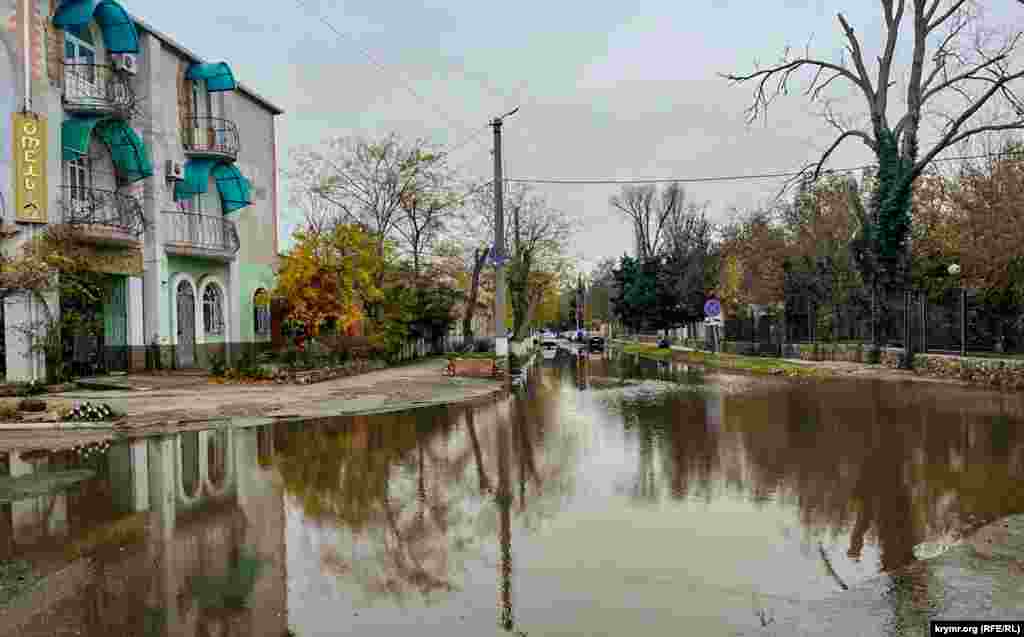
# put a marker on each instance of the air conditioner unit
(126, 63)
(175, 170)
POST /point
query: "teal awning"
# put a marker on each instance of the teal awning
(119, 32)
(218, 76)
(232, 186)
(127, 151)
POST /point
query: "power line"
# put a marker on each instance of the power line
(380, 66)
(692, 180)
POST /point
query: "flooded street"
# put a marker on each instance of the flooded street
(608, 496)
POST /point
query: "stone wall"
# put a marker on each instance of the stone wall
(1004, 373)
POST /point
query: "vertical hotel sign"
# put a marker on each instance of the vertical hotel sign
(29, 148)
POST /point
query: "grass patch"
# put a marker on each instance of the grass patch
(649, 351)
(752, 364)
(472, 355)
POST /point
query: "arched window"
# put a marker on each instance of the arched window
(213, 309)
(261, 312)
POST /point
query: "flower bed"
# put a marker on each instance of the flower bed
(291, 376)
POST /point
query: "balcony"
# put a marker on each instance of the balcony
(196, 235)
(96, 89)
(210, 137)
(103, 217)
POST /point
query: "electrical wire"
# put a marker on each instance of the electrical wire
(381, 67)
(691, 180)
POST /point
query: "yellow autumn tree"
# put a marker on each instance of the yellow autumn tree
(330, 275)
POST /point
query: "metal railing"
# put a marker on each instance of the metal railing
(202, 232)
(210, 135)
(96, 87)
(98, 207)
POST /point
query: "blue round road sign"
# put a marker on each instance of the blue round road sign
(712, 307)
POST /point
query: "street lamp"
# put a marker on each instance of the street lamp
(954, 270)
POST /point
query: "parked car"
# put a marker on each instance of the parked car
(549, 349)
(596, 344)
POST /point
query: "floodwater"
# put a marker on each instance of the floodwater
(608, 496)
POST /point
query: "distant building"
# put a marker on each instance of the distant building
(164, 167)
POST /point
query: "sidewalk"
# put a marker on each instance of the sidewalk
(177, 400)
(826, 369)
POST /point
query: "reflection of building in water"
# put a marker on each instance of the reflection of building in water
(180, 534)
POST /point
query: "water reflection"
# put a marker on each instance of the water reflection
(426, 511)
(180, 534)
(628, 491)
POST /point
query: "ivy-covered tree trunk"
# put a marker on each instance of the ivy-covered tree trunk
(888, 267)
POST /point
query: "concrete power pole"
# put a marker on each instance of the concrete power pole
(500, 338)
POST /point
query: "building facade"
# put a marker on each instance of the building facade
(161, 168)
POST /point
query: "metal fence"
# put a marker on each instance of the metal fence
(954, 321)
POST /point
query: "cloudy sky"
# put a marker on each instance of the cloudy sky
(607, 90)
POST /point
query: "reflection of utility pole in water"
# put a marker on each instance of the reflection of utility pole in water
(581, 369)
(504, 501)
(485, 484)
(713, 406)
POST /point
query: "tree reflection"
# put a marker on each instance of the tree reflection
(871, 463)
(416, 495)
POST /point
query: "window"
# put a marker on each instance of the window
(213, 309)
(261, 312)
(80, 80)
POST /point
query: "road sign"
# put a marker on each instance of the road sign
(494, 260)
(712, 307)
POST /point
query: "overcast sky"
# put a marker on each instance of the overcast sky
(607, 90)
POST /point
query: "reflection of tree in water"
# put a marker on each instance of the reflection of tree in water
(671, 427)
(420, 493)
(886, 465)
(882, 463)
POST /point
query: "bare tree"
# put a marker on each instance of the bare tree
(540, 235)
(650, 214)
(957, 68)
(366, 182)
(425, 210)
(475, 233)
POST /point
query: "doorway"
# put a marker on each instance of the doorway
(186, 305)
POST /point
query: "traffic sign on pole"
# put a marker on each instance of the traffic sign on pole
(712, 307)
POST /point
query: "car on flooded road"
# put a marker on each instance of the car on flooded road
(548, 349)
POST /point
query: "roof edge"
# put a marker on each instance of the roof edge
(242, 88)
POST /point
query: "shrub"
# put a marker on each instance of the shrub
(218, 366)
(31, 388)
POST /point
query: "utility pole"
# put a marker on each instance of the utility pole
(500, 338)
(579, 304)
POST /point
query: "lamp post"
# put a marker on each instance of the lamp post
(954, 270)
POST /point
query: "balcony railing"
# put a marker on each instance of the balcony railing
(190, 233)
(211, 136)
(96, 88)
(105, 216)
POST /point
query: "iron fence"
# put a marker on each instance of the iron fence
(210, 135)
(204, 232)
(96, 87)
(951, 321)
(98, 207)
